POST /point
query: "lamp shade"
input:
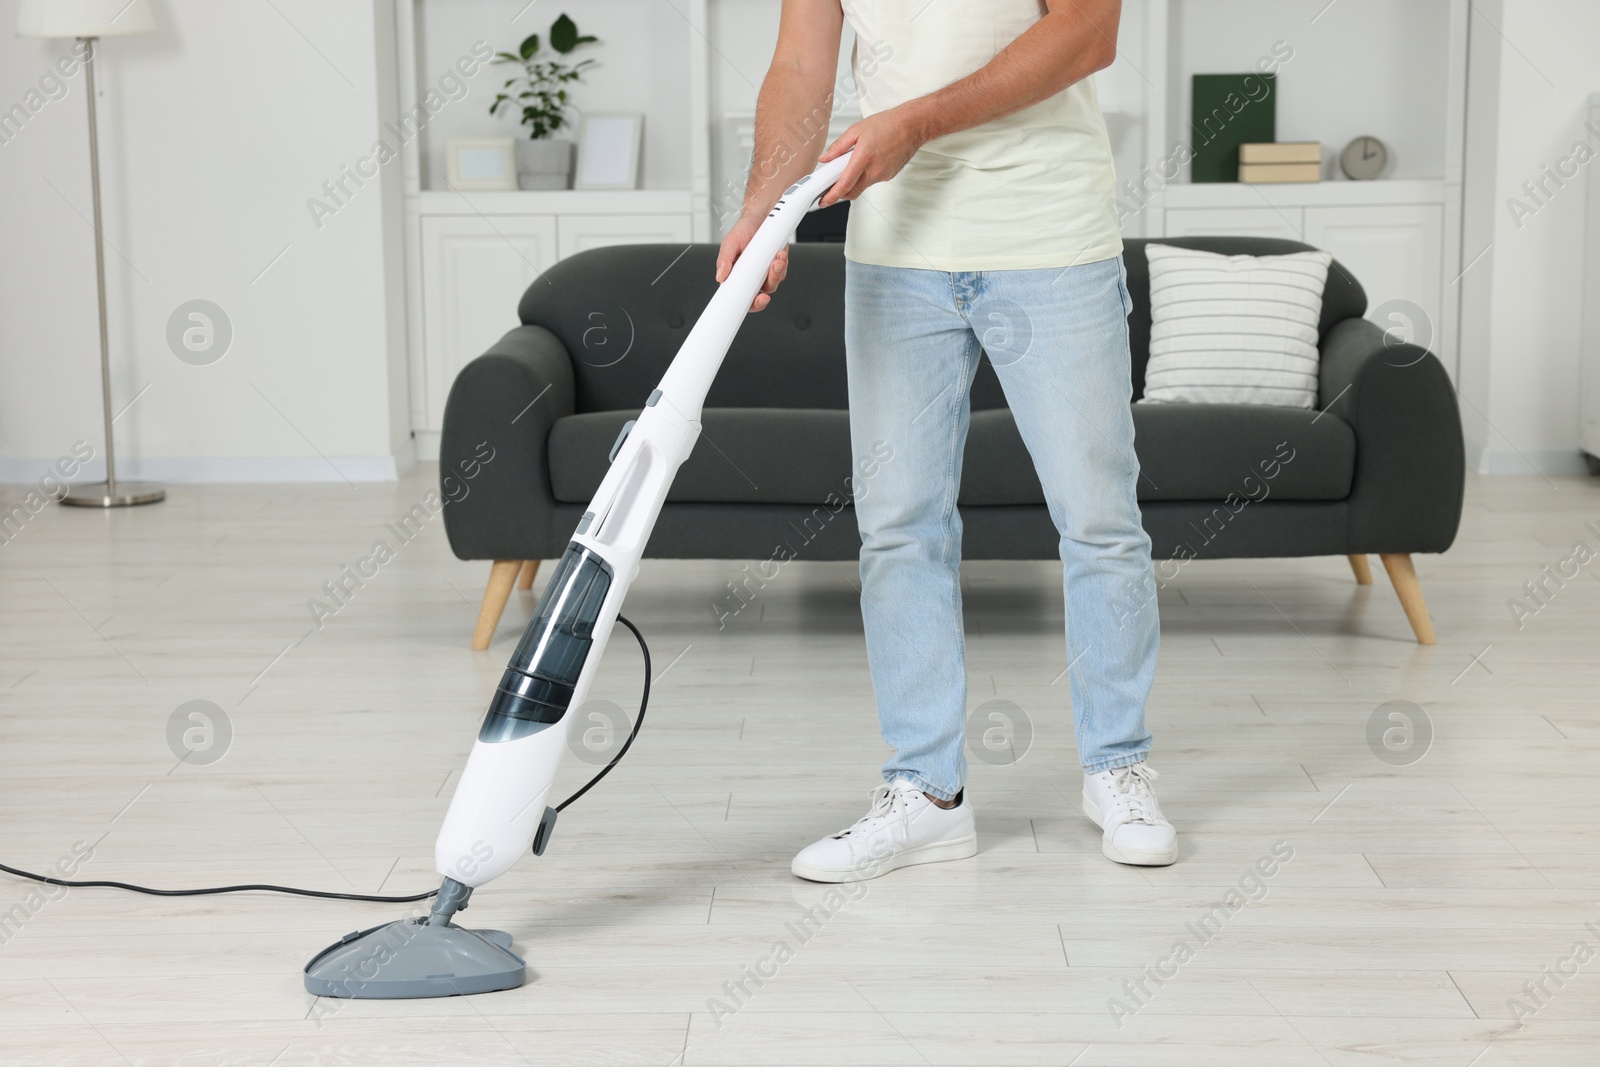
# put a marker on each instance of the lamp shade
(84, 18)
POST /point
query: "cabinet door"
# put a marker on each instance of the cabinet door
(579, 233)
(1397, 255)
(1264, 221)
(474, 271)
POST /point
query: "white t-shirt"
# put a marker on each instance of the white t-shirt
(1033, 189)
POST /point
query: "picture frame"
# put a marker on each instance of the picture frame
(608, 150)
(481, 164)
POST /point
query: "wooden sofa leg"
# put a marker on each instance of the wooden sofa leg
(1362, 570)
(530, 568)
(1406, 586)
(502, 576)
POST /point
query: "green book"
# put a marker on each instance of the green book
(1230, 110)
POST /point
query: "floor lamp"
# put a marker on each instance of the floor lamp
(89, 20)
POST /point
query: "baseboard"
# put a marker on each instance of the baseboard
(405, 457)
(427, 445)
(185, 470)
(1540, 461)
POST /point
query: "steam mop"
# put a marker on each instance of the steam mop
(499, 811)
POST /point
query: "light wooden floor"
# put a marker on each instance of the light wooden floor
(1418, 900)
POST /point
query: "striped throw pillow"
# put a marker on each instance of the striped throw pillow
(1234, 329)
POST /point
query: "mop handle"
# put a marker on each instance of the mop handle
(687, 381)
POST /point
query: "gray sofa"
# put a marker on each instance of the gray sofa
(1378, 468)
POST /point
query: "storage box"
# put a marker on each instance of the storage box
(1272, 173)
(1281, 152)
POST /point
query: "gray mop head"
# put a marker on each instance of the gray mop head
(413, 958)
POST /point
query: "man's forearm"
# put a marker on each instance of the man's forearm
(1071, 42)
(791, 129)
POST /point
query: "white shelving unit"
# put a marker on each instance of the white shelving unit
(1396, 71)
(469, 256)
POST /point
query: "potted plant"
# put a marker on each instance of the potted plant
(539, 93)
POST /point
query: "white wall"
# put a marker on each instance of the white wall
(214, 134)
(1534, 66)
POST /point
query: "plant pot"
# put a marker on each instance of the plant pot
(545, 164)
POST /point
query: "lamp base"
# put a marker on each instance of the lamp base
(128, 494)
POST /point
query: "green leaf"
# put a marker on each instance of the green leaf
(530, 45)
(564, 35)
(506, 57)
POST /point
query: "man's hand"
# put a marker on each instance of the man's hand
(733, 247)
(882, 143)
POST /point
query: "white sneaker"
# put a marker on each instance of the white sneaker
(903, 827)
(1122, 803)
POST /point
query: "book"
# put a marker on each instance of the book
(1230, 110)
(1269, 173)
(1281, 152)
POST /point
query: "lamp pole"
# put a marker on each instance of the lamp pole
(105, 494)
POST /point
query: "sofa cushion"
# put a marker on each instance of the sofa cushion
(743, 456)
(1186, 452)
(785, 456)
(1207, 451)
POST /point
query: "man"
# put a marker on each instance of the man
(982, 218)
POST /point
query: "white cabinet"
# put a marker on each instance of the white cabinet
(1396, 253)
(579, 233)
(1265, 221)
(474, 270)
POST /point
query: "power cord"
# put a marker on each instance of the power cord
(216, 889)
(644, 700)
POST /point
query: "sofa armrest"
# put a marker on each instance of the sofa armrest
(1410, 473)
(505, 400)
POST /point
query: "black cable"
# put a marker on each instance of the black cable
(644, 700)
(217, 889)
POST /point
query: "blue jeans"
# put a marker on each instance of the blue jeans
(1058, 340)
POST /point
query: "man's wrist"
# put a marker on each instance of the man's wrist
(923, 118)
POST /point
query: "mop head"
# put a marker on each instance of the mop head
(413, 958)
